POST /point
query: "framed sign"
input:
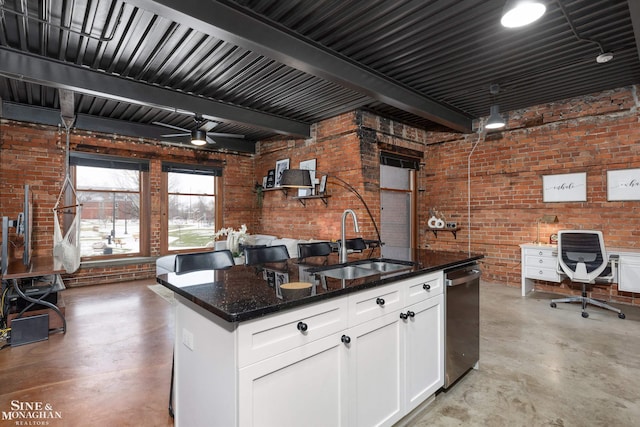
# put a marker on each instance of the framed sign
(568, 187)
(309, 165)
(623, 184)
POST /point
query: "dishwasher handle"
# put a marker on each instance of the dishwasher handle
(460, 280)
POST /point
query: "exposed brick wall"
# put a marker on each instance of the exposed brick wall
(590, 134)
(35, 155)
(339, 150)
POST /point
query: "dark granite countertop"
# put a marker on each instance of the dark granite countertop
(246, 292)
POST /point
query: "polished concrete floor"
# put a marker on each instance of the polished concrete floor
(546, 367)
(539, 366)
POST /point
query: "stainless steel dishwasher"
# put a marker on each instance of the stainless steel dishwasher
(462, 321)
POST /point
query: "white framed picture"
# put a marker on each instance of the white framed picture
(568, 187)
(281, 166)
(309, 165)
(323, 184)
(623, 184)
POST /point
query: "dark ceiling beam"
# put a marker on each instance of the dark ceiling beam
(59, 75)
(52, 117)
(634, 12)
(252, 32)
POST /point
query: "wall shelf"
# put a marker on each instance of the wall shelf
(303, 199)
(451, 230)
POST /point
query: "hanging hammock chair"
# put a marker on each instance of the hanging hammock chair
(66, 246)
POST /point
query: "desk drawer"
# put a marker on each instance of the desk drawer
(541, 262)
(268, 336)
(540, 273)
(542, 252)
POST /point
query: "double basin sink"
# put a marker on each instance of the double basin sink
(364, 268)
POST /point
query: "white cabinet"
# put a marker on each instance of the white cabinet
(376, 389)
(364, 359)
(539, 262)
(423, 350)
(306, 386)
(629, 273)
(396, 360)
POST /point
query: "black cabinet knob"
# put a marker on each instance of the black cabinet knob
(411, 313)
(426, 286)
(380, 301)
(345, 339)
(403, 316)
(302, 327)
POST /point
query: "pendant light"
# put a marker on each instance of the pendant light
(518, 13)
(495, 120)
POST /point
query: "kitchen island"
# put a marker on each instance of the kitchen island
(364, 351)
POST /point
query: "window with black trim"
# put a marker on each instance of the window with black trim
(191, 205)
(110, 190)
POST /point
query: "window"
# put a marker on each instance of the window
(191, 205)
(110, 191)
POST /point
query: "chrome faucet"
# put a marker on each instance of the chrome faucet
(343, 245)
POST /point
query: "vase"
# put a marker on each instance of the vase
(238, 260)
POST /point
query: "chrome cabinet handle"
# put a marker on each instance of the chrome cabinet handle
(380, 301)
(403, 316)
(345, 339)
(411, 313)
(302, 327)
(426, 286)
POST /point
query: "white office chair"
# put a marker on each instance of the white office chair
(583, 258)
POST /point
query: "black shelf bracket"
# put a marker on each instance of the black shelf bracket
(451, 230)
(323, 197)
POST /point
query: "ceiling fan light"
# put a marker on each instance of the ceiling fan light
(495, 120)
(518, 13)
(198, 137)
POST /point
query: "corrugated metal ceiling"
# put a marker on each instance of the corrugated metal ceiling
(266, 67)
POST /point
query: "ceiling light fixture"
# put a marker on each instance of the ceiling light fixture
(495, 120)
(604, 57)
(198, 137)
(518, 13)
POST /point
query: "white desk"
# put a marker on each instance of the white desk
(539, 262)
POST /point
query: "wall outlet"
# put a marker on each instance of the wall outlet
(187, 339)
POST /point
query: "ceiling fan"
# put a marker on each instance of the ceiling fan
(201, 134)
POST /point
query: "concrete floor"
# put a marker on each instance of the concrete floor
(546, 367)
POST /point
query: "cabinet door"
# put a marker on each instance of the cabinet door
(424, 350)
(375, 372)
(306, 386)
(629, 280)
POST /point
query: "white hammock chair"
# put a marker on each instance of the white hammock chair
(66, 248)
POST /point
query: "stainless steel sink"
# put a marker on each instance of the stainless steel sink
(348, 272)
(364, 268)
(385, 266)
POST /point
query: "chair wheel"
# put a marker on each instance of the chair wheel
(585, 314)
(621, 315)
(553, 305)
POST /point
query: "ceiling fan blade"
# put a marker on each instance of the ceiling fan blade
(208, 126)
(226, 135)
(174, 135)
(171, 126)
